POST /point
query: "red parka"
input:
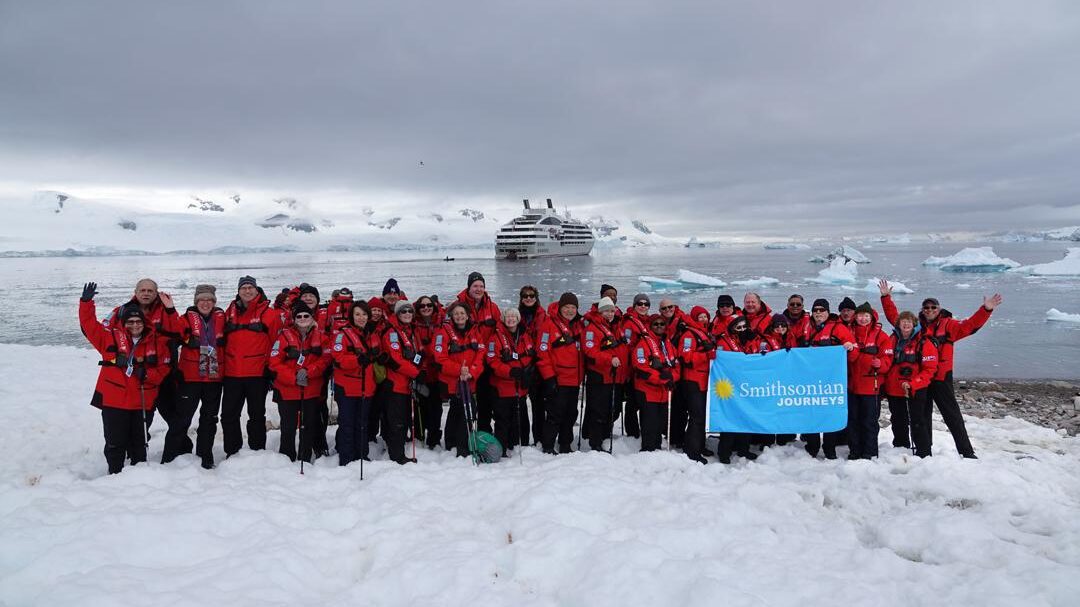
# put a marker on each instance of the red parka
(118, 385)
(290, 354)
(914, 361)
(511, 351)
(425, 334)
(604, 342)
(559, 349)
(249, 332)
(484, 313)
(456, 348)
(197, 333)
(354, 355)
(872, 344)
(405, 355)
(697, 350)
(759, 323)
(654, 357)
(944, 332)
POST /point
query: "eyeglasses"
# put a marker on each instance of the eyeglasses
(406, 311)
(930, 307)
(302, 316)
(528, 295)
(794, 304)
(641, 303)
(819, 310)
(425, 306)
(666, 308)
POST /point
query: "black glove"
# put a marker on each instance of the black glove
(550, 386)
(89, 290)
(363, 358)
(527, 375)
(517, 373)
(507, 355)
(408, 353)
(382, 358)
(139, 373)
(669, 385)
(656, 363)
(666, 375)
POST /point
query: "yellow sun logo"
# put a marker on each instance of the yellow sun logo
(724, 389)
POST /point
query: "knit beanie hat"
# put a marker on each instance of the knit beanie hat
(606, 287)
(208, 290)
(475, 276)
(698, 311)
(779, 320)
(821, 303)
(846, 304)
(391, 286)
(568, 299)
(403, 305)
(128, 312)
(725, 300)
(377, 302)
(605, 304)
(246, 280)
(299, 307)
(306, 288)
(865, 307)
(642, 297)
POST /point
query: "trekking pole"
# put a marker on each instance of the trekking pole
(669, 398)
(146, 430)
(467, 404)
(517, 419)
(361, 417)
(910, 434)
(412, 404)
(611, 415)
(300, 425)
(581, 405)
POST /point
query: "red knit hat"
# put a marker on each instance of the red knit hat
(698, 311)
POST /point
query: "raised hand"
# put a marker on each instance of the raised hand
(89, 290)
(166, 300)
(884, 286)
(992, 302)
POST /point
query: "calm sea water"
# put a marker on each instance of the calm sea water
(39, 302)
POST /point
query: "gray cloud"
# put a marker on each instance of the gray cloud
(732, 118)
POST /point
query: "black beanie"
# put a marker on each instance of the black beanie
(391, 286)
(821, 303)
(306, 288)
(131, 311)
(725, 300)
(299, 307)
(605, 287)
(568, 299)
(846, 304)
(473, 277)
(865, 307)
(246, 280)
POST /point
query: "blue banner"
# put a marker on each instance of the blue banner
(782, 392)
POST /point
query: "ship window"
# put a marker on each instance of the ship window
(550, 221)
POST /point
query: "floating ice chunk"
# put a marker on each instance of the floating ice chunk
(1070, 266)
(1057, 315)
(693, 279)
(839, 272)
(871, 285)
(963, 285)
(972, 259)
(786, 246)
(763, 281)
(660, 284)
(842, 252)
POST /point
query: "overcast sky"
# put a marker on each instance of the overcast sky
(748, 117)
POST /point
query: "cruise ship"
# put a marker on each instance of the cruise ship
(542, 233)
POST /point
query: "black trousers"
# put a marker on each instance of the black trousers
(737, 442)
(125, 437)
(537, 400)
(601, 410)
(561, 413)
(631, 423)
(694, 401)
(398, 409)
(378, 409)
(941, 393)
(485, 401)
(429, 410)
(653, 421)
(204, 397)
(352, 431)
(168, 394)
(679, 415)
(235, 392)
(295, 415)
(863, 413)
(457, 427)
(909, 415)
(507, 419)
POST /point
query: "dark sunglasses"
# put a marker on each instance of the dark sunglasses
(662, 308)
(133, 321)
(819, 310)
(302, 315)
(930, 307)
(794, 304)
(406, 311)
(659, 325)
(425, 306)
(726, 306)
(641, 303)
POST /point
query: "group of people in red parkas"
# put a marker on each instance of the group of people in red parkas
(393, 365)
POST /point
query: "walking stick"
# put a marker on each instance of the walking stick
(611, 415)
(146, 431)
(669, 398)
(581, 405)
(300, 425)
(412, 404)
(467, 406)
(907, 405)
(517, 418)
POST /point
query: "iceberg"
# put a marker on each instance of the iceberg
(842, 252)
(660, 284)
(839, 272)
(898, 288)
(693, 279)
(763, 281)
(1069, 266)
(972, 259)
(786, 246)
(1053, 314)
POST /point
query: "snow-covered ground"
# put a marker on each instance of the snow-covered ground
(583, 529)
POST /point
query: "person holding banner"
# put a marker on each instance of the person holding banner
(873, 357)
(757, 312)
(725, 310)
(915, 360)
(825, 329)
(655, 374)
(696, 352)
(736, 338)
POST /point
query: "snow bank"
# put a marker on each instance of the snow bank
(762, 281)
(972, 259)
(898, 288)
(1070, 266)
(839, 272)
(844, 252)
(693, 279)
(1059, 316)
(588, 529)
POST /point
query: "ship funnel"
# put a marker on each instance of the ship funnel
(549, 204)
(526, 201)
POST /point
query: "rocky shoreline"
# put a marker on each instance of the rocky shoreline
(1048, 403)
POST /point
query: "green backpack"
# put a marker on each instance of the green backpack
(485, 448)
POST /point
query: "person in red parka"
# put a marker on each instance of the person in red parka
(532, 318)
(940, 327)
(873, 357)
(298, 360)
(428, 425)
(915, 360)
(310, 295)
(825, 329)
(560, 363)
(134, 362)
(736, 337)
(202, 336)
(696, 352)
(757, 313)
(485, 314)
(725, 310)
(510, 359)
(404, 357)
(656, 370)
(606, 371)
(377, 326)
(354, 352)
(250, 329)
(798, 322)
(635, 322)
(459, 355)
